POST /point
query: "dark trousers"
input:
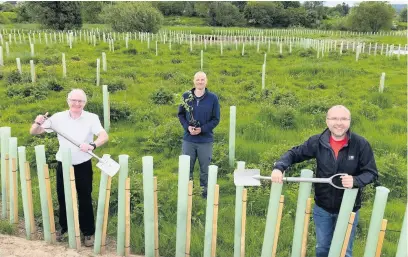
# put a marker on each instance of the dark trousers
(83, 181)
(204, 153)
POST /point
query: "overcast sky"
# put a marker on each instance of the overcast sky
(351, 3)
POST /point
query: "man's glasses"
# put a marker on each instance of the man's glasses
(343, 119)
(77, 101)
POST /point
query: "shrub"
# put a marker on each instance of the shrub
(14, 77)
(131, 16)
(27, 91)
(118, 111)
(131, 51)
(285, 118)
(162, 96)
(53, 85)
(116, 85)
(370, 111)
(382, 100)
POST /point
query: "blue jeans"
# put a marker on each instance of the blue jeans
(325, 222)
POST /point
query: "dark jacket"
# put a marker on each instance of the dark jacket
(206, 110)
(356, 158)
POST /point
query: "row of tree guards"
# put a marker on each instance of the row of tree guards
(14, 164)
(92, 37)
(11, 155)
(246, 32)
(321, 46)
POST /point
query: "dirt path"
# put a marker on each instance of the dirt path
(12, 246)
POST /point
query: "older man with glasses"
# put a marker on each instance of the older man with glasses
(81, 126)
(336, 150)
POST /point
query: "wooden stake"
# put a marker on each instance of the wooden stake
(306, 227)
(75, 207)
(127, 217)
(156, 219)
(30, 200)
(49, 202)
(189, 207)
(15, 192)
(381, 238)
(6, 163)
(348, 232)
(243, 221)
(275, 242)
(215, 219)
(105, 216)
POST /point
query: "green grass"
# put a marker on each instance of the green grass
(299, 90)
(7, 228)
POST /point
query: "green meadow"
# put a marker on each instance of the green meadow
(145, 92)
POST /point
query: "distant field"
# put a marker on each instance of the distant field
(145, 92)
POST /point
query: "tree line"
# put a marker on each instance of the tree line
(149, 16)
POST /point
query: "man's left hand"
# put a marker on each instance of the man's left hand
(196, 131)
(86, 147)
(347, 181)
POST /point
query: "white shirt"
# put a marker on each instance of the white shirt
(81, 130)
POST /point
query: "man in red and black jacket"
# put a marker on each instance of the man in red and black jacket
(336, 150)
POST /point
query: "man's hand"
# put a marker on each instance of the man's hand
(86, 147)
(40, 119)
(194, 130)
(347, 181)
(277, 176)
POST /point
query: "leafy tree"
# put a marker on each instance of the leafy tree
(293, 4)
(225, 14)
(171, 7)
(201, 9)
(129, 16)
(403, 15)
(346, 8)
(240, 4)
(90, 11)
(6, 7)
(23, 14)
(316, 7)
(342, 9)
(263, 14)
(189, 9)
(297, 16)
(56, 15)
(371, 16)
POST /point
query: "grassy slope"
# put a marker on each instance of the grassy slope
(299, 91)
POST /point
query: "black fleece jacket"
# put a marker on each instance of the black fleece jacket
(356, 158)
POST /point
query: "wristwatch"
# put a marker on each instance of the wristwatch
(93, 144)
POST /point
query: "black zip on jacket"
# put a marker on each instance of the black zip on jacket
(356, 158)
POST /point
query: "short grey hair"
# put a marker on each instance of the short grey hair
(200, 73)
(77, 90)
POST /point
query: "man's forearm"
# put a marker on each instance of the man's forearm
(102, 139)
(36, 129)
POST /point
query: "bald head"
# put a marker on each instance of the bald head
(338, 108)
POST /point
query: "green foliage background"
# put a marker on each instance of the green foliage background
(145, 89)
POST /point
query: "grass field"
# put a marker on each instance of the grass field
(299, 90)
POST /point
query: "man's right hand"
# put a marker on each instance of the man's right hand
(277, 176)
(40, 119)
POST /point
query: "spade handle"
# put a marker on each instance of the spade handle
(312, 180)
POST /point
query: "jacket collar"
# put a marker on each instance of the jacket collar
(325, 137)
(195, 97)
